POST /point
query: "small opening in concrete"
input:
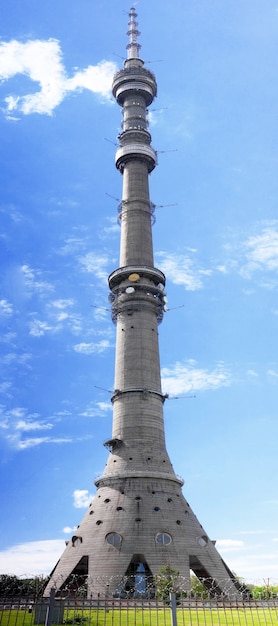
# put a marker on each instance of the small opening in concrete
(76, 541)
(178, 522)
(170, 500)
(138, 520)
(156, 508)
(119, 508)
(202, 541)
(99, 522)
(137, 498)
(107, 500)
(91, 512)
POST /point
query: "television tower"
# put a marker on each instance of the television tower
(139, 519)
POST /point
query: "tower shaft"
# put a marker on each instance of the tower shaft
(139, 519)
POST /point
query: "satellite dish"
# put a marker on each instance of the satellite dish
(129, 290)
(133, 277)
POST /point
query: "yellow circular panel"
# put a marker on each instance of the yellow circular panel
(133, 278)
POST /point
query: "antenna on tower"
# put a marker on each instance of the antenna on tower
(133, 47)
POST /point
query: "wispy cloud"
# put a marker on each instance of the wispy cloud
(6, 307)
(59, 317)
(112, 229)
(42, 62)
(29, 425)
(5, 386)
(33, 558)
(68, 529)
(92, 348)
(38, 328)
(23, 430)
(33, 281)
(181, 269)
(272, 373)
(81, 498)
(96, 409)
(186, 377)
(262, 252)
(230, 545)
(255, 256)
(96, 264)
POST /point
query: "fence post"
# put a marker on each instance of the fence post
(173, 607)
(50, 608)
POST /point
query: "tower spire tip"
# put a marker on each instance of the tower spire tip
(133, 47)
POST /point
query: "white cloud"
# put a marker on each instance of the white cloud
(229, 545)
(252, 373)
(272, 373)
(260, 254)
(41, 61)
(110, 230)
(104, 406)
(26, 426)
(33, 281)
(67, 530)
(96, 78)
(185, 377)
(38, 328)
(263, 249)
(92, 348)
(95, 264)
(181, 270)
(6, 307)
(24, 444)
(32, 558)
(96, 409)
(81, 498)
(59, 318)
(5, 386)
(63, 303)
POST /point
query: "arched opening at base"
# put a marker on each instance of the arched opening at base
(138, 580)
(77, 581)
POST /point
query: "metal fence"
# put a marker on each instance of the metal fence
(174, 611)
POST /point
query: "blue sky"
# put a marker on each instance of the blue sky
(214, 125)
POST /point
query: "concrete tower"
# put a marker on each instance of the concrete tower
(139, 519)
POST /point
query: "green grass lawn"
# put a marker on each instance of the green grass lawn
(152, 617)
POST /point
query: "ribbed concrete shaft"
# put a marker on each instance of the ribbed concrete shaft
(136, 239)
(139, 519)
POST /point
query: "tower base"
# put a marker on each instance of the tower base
(131, 530)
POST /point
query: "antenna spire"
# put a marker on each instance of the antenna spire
(133, 47)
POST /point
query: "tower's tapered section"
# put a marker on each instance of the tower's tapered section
(139, 519)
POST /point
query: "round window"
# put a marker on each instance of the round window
(114, 539)
(163, 539)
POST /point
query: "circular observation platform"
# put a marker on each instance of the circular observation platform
(137, 80)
